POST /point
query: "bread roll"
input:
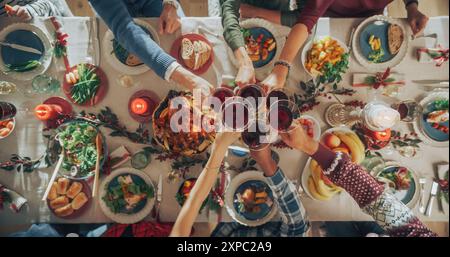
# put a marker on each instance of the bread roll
(80, 200)
(59, 202)
(395, 38)
(63, 184)
(64, 211)
(53, 194)
(74, 189)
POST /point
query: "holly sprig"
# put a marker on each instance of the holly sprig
(402, 140)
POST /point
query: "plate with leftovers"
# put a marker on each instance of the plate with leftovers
(127, 195)
(401, 181)
(25, 51)
(194, 52)
(120, 58)
(432, 125)
(380, 42)
(249, 199)
(68, 199)
(78, 141)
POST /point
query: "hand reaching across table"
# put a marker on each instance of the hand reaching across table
(169, 21)
(205, 182)
(390, 213)
(416, 19)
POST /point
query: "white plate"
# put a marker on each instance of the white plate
(121, 217)
(230, 193)
(316, 126)
(412, 203)
(111, 57)
(304, 179)
(418, 128)
(46, 59)
(263, 71)
(308, 45)
(396, 60)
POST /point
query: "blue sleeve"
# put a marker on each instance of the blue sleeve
(291, 209)
(116, 16)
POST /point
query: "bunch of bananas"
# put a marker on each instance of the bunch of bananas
(346, 142)
(320, 187)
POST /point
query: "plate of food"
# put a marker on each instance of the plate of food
(185, 189)
(25, 51)
(432, 125)
(261, 42)
(380, 42)
(311, 126)
(194, 52)
(249, 199)
(121, 59)
(180, 142)
(316, 185)
(127, 196)
(77, 140)
(68, 199)
(401, 181)
(85, 84)
(7, 127)
(325, 57)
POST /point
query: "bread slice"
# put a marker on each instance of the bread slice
(80, 200)
(395, 38)
(74, 189)
(63, 185)
(53, 194)
(195, 54)
(64, 211)
(59, 202)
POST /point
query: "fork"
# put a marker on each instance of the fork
(422, 182)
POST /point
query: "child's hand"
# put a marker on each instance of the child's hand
(19, 11)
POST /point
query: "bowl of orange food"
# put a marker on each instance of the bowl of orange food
(7, 127)
(326, 57)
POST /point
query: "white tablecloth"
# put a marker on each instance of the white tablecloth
(27, 141)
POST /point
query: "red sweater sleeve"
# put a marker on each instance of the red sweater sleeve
(312, 11)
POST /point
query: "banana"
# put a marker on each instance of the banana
(357, 155)
(324, 190)
(313, 190)
(355, 137)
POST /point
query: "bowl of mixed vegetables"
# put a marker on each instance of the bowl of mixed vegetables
(78, 142)
(325, 58)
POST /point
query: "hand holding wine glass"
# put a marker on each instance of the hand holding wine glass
(297, 138)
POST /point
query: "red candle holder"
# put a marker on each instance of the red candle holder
(51, 109)
(142, 104)
(376, 140)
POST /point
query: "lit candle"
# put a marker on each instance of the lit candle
(139, 106)
(46, 112)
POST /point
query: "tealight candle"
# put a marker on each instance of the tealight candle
(139, 106)
(47, 112)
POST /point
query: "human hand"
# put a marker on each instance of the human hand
(276, 79)
(169, 22)
(21, 12)
(191, 81)
(298, 139)
(417, 20)
(264, 159)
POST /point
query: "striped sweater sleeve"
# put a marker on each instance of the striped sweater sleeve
(42, 8)
(390, 213)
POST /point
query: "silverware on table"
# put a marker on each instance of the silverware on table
(422, 182)
(95, 41)
(21, 48)
(432, 82)
(156, 207)
(434, 189)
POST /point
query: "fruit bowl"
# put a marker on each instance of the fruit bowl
(343, 139)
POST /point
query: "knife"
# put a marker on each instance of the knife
(432, 82)
(158, 198)
(95, 42)
(21, 48)
(434, 189)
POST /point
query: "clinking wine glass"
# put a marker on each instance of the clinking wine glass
(259, 135)
(253, 93)
(282, 114)
(237, 114)
(278, 94)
